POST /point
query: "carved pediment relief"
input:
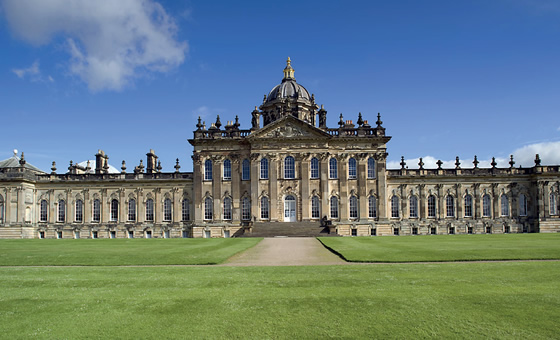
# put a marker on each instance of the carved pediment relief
(290, 127)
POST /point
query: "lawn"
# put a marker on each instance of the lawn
(446, 247)
(112, 252)
(513, 300)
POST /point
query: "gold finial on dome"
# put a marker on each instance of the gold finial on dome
(289, 71)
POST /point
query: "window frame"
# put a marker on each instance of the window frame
(314, 168)
(395, 206)
(167, 210)
(413, 206)
(131, 213)
(372, 206)
(96, 210)
(79, 211)
(486, 205)
(371, 168)
(315, 207)
(504, 205)
(468, 202)
(208, 209)
(450, 206)
(246, 209)
(432, 206)
(333, 202)
(265, 208)
(185, 210)
(246, 170)
(61, 211)
(352, 168)
(150, 214)
(43, 211)
(522, 205)
(114, 210)
(264, 168)
(227, 212)
(208, 170)
(333, 168)
(353, 207)
(227, 170)
(289, 167)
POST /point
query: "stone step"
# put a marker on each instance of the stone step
(287, 229)
(10, 232)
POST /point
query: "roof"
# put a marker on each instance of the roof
(14, 162)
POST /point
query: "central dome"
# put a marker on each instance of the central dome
(288, 88)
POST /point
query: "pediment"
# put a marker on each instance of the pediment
(289, 128)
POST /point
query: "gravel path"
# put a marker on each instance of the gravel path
(285, 251)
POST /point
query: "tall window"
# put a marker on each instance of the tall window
(96, 214)
(352, 171)
(289, 167)
(353, 207)
(264, 208)
(431, 206)
(334, 207)
(314, 168)
(185, 210)
(333, 168)
(505, 205)
(44, 211)
(246, 170)
(522, 205)
(227, 208)
(246, 209)
(79, 210)
(167, 209)
(114, 210)
(394, 206)
(208, 209)
(264, 168)
(132, 209)
(227, 170)
(1, 209)
(149, 209)
(315, 207)
(450, 206)
(468, 206)
(371, 168)
(372, 207)
(208, 170)
(553, 203)
(413, 201)
(61, 211)
(486, 206)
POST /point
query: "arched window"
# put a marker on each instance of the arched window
(132, 209)
(333, 168)
(114, 210)
(96, 211)
(61, 211)
(227, 170)
(314, 168)
(264, 168)
(208, 170)
(79, 210)
(149, 209)
(372, 207)
(167, 210)
(468, 206)
(315, 207)
(352, 171)
(353, 206)
(227, 208)
(246, 170)
(185, 210)
(486, 206)
(264, 208)
(504, 202)
(246, 209)
(43, 215)
(289, 167)
(1, 209)
(371, 168)
(208, 209)
(334, 207)
(450, 206)
(394, 206)
(431, 206)
(413, 201)
(553, 203)
(522, 205)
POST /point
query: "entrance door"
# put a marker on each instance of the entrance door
(289, 209)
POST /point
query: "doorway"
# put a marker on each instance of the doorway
(289, 209)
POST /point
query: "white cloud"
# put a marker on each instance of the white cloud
(549, 153)
(32, 70)
(110, 43)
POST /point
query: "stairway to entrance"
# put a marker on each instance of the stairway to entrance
(288, 229)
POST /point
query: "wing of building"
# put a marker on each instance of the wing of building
(288, 174)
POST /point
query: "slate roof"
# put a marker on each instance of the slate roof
(13, 162)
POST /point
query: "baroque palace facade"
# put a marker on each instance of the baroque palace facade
(292, 169)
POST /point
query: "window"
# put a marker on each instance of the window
(227, 170)
(113, 234)
(79, 210)
(522, 205)
(468, 206)
(208, 170)
(94, 234)
(333, 168)
(149, 209)
(371, 168)
(394, 206)
(61, 211)
(208, 210)
(354, 232)
(506, 229)
(315, 207)
(167, 209)
(1, 209)
(413, 206)
(185, 211)
(148, 234)
(314, 168)
(289, 167)
(114, 210)
(431, 206)
(96, 214)
(227, 208)
(372, 207)
(396, 231)
(469, 230)
(334, 207)
(486, 206)
(373, 232)
(59, 234)
(76, 234)
(246, 209)
(553, 203)
(504, 202)
(450, 206)
(489, 230)
(246, 170)
(352, 171)
(414, 231)
(353, 207)
(264, 168)
(264, 208)
(130, 234)
(433, 231)
(451, 230)
(131, 210)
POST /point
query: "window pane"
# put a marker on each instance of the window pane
(149, 210)
(486, 208)
(246, 170)
(413, 206)
(505, 205)
(167, 210)
(246, 209)
(264, 208)
(185, 211)
(227, 208)
(352, 172)
(132, 209)
(372, 207)
(333, 168)
(431, 206)
(289, 167)
(314, 168)
(522, 205)
(96, 210)
(61, 211)
(208, 211)
(334, 207)
(44, 211)
(450, 206)
(208, 170)
(371, 168)
(353, 207)
(394, 206)
(315, 207)
(468, 206)
(227, 169)
(264, 168)
(114, 210)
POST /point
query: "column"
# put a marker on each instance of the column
(273, 175)
(305, 195)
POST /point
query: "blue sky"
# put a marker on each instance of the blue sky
(450, 78)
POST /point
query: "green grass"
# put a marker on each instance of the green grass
(112, 252)
(513, 300)
(446, 247)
